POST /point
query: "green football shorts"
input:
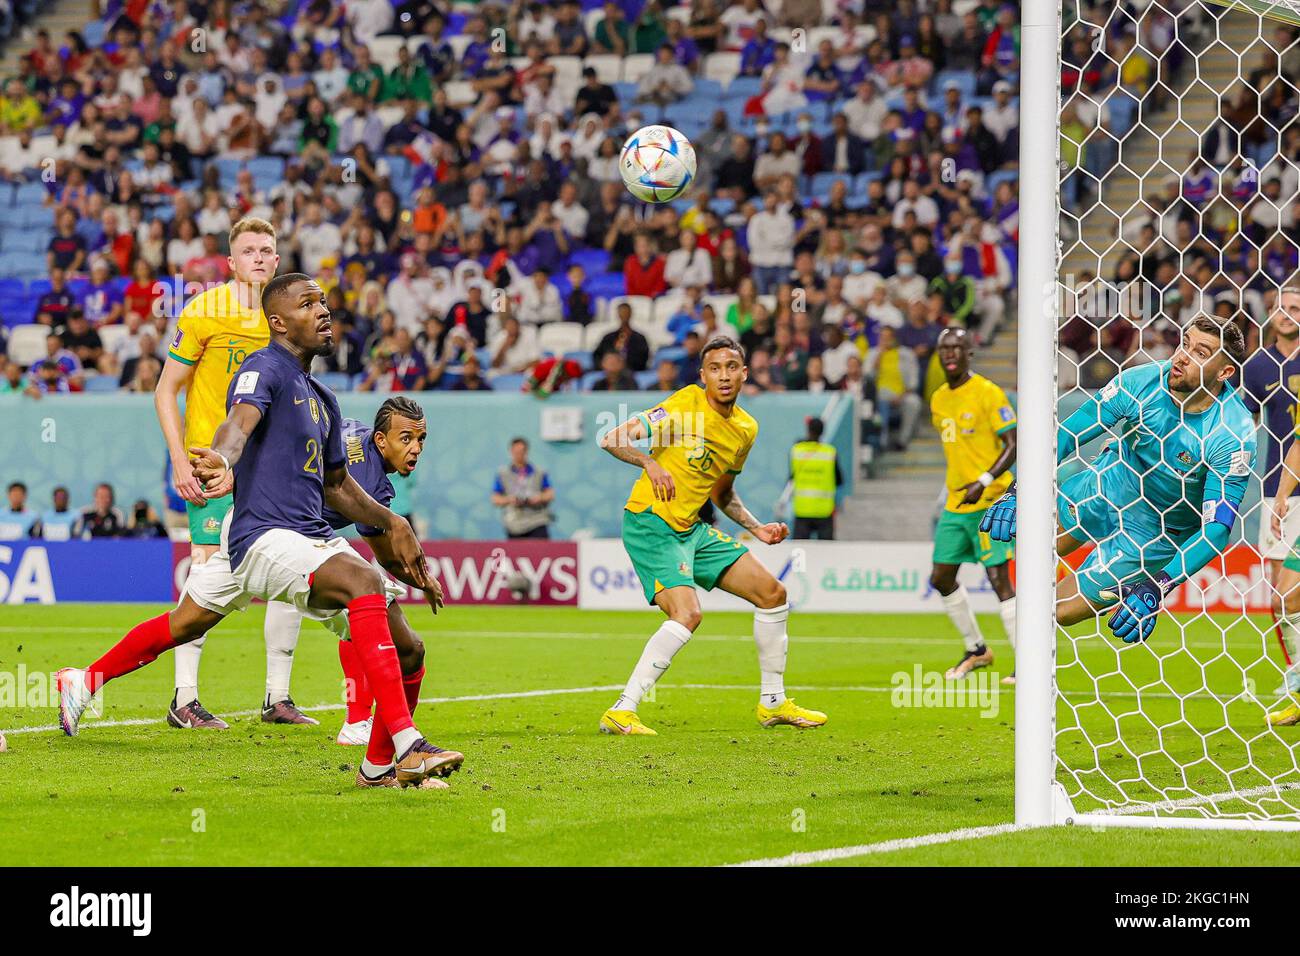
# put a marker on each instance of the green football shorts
(665, 558)
(958, 540)
(205, 521)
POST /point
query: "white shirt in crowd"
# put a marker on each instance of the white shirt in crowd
(926, 209)
(537, 307)
(835, 362)
(771, 239)
(772, 166)
(1001, 120)
(858, 289)
(573, 218)
(522, 354)
(886, 313)
(369, 18)
(316, 243)
(682, 268)
(865, 116)
(213, 221)
(191, 131)
(409, 299)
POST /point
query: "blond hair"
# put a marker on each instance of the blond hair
(251, 224)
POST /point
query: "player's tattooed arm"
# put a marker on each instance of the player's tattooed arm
(975, 490)
(729, 503)
(620, 442)
(388, 560)
(344, 495)
(215, 467)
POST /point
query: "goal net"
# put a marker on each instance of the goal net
(1171, 173)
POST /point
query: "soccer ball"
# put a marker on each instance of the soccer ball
(658, 164)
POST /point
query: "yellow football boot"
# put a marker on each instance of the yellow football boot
(624, 722)
(1288, 716)
(790, 713)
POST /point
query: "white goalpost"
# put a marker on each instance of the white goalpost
(1170, 733)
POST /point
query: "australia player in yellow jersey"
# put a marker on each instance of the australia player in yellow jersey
(216, 330)
(699, 439)
(977, 426)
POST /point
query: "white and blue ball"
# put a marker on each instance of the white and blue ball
(658, 164)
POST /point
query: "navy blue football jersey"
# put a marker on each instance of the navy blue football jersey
(280, 477)
(367, 468)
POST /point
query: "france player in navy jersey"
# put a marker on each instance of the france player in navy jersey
(1161, 498)
(281, 450)
(1270, 383)
(392, 446)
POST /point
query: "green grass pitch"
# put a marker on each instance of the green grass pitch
(540, 786)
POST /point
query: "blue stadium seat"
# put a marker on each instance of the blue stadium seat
(94, 32)
(964, 79)
(336, 381)
(30, 194)
(1122, 108)
(593, 261)
(101, 383)
(743, 87)
(582, 358)
(606, 285)
(673, 353)
(1001, 176)
(227, 169)
(647, 379)
(626, 93)
(21, 217)
(11, 289)
(822, 182)
(509, 383)
(589, 379)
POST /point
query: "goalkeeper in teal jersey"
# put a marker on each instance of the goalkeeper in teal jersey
(1160, 499)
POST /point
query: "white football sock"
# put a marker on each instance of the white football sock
(374, 771)
(957, 604)
(1007, 609)
(187, 670)
(770, 636)
(283, 622)
(658, 654)
(404, 739)
(1290, 626)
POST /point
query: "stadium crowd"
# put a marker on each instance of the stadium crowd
(450, 174)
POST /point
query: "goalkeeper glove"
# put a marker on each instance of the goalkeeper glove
(1135, 618)
(999, 522)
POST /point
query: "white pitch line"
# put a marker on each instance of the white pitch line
(146, 722)
(1188, 803)
(970, 693)
(807, 857)
(895, 641)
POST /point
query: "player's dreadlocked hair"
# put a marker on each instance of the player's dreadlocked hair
(278, 285)
(1229, 335)
(723, 342)
(399, 405)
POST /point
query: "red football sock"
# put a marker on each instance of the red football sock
(360, 700)
(368, 622)
(380, 750)
(141, 646)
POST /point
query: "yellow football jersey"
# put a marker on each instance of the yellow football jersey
(970, 419)
(695, 445)
(214, 334)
